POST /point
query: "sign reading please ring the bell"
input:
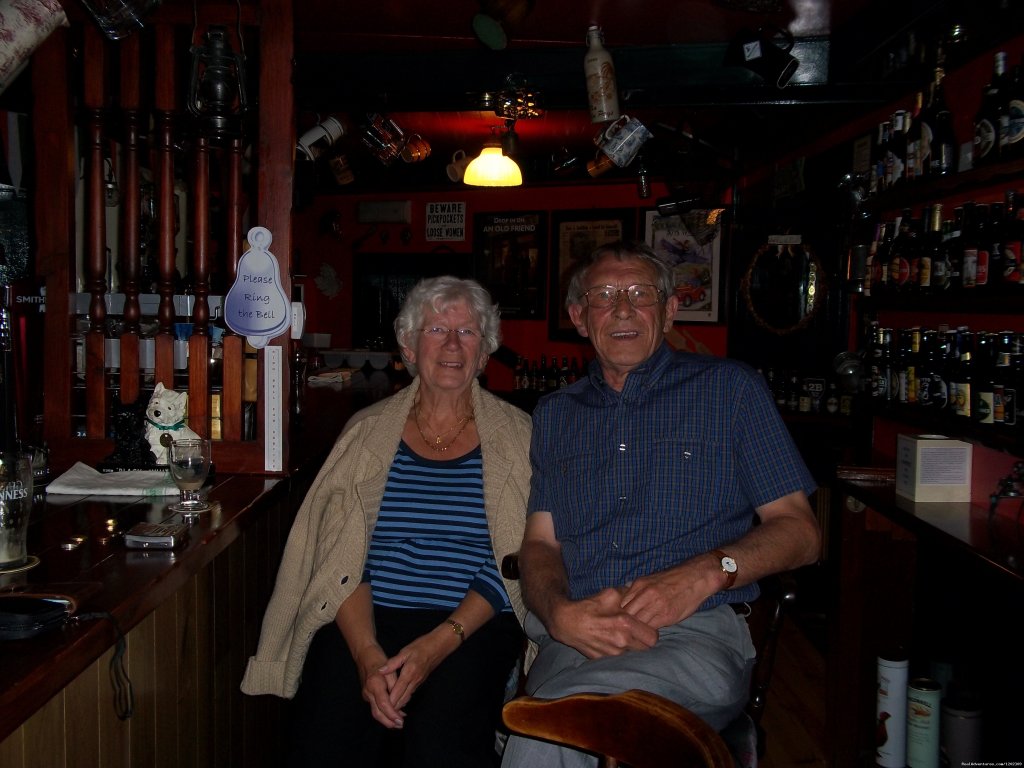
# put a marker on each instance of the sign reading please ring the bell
(256, 305)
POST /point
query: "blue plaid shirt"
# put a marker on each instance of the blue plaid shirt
(671, 467)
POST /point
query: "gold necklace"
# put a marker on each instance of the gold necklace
(435, 445)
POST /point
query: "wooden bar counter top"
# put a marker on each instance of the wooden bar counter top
(191, 617)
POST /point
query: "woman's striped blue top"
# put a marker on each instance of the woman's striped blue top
(431, 543)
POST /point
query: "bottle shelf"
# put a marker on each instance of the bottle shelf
(1004, 299)
(1000, 437)
(936, 188)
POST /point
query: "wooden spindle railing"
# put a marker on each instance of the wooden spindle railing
(199, 341)
(95, 236)
(128, 252)
(165, 109)
(233, 347)
(103, 127)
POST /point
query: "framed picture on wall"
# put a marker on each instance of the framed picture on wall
(510, 253)
(574, 236)
(691, 243)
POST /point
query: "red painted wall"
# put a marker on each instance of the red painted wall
(327, 234)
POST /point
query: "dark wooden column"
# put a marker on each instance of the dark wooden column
(94, 61)
(130, 204)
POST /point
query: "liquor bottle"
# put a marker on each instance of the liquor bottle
(10, 445)
(15, 467)
(902, 366)
(551, 374)
(926, 368)
(832, 398)
(940, 264)
(527, 380)
(913, 133)
(1013, 376)
(995, 234)
(869, 260)
(930, 260)
(1014, 145)
(876, 179)
(1012, 240)
(915, 233)
(602, 90)
(779, 392)
(574, 371)
(563, 373)
(954, 249)
(879, 267)
(963, 379)
(517, 373)
(900, 254)
(1004, 398)
(944, 146)
(896, 161)
(975, 250)
(991, 121)
(804, 400)
(536, 377)
(913, 368)
(950, 368)
(982, 393)
(793, 393)
(880, 367)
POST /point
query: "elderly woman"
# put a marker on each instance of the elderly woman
(389, 617)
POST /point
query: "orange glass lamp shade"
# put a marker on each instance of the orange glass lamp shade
(493, 169)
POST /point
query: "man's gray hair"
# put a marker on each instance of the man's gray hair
(437, 294)
(622, 250)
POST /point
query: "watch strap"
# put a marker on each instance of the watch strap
(730, 576)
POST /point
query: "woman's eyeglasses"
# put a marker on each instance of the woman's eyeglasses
(641, 295)
(440, 333)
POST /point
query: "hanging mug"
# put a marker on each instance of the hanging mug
(622, 139)
(321, 137)
(457, 167)
(765, 52)
(416, 149)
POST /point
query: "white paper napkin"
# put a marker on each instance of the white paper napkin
(82, 479)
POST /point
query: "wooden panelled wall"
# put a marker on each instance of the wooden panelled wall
(185, 661)
(132, 90)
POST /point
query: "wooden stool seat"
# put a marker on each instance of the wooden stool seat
(635, 728)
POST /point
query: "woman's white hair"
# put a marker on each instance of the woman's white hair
(436, 294)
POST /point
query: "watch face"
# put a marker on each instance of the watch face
(728, 565)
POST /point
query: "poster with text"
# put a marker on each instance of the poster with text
(510, 261)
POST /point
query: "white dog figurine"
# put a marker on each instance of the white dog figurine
(165, 421)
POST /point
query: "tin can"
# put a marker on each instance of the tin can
(923, 716)
(891, 711)
(961, 732)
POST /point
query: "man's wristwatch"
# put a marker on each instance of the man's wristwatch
(729, 567)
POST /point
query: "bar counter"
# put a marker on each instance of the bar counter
(191, 616)
(934, 582)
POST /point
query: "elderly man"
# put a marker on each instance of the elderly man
(664, 486)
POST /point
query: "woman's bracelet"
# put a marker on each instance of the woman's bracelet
(458, 629)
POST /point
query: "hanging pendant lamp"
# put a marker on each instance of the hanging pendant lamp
(495, 166)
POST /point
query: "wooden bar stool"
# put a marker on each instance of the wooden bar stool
(635, 728)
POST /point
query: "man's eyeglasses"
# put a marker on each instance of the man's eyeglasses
(642, 295)
(440, 333)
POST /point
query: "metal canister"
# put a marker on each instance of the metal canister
(891, 712)
(961, 732)
(923, 716)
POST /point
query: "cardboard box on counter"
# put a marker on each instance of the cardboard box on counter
(933, 468)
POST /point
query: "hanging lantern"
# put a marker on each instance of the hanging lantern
(216, 96)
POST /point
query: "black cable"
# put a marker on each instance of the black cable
(124, 694)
